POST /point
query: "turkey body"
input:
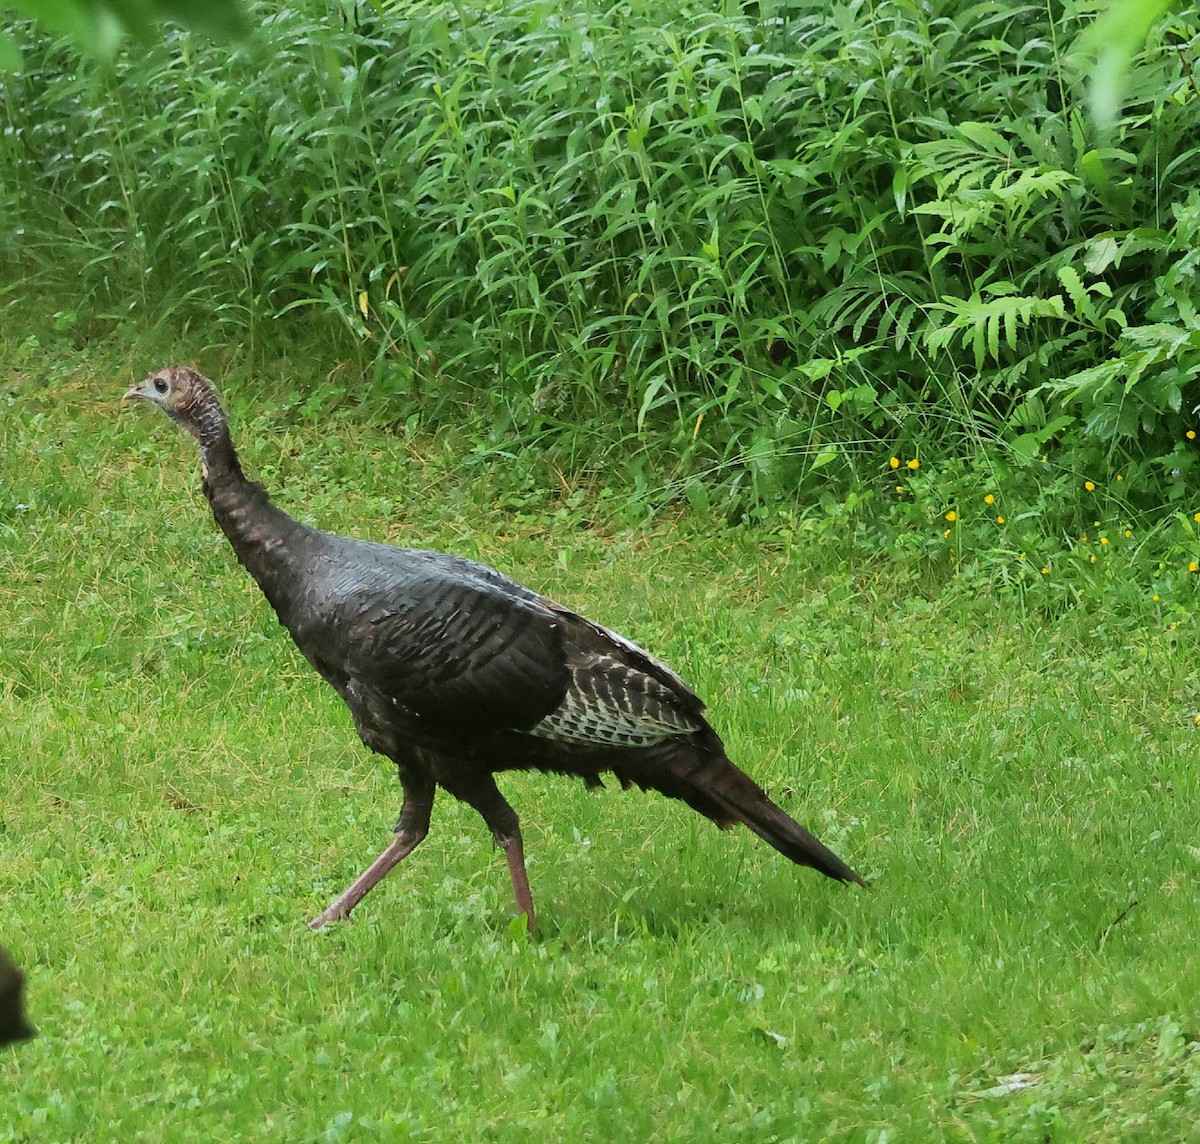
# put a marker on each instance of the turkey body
(456, 672)
(440, 652)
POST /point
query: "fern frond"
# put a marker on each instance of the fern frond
(981, 323)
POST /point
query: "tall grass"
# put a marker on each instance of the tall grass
(765, 241)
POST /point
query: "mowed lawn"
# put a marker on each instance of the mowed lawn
(181, 793)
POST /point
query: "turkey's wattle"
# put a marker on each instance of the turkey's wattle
(455, 672)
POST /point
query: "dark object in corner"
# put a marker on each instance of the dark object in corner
(13, 1025)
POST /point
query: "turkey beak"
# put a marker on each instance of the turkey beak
(137, 393)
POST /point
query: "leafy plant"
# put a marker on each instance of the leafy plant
(613, 229)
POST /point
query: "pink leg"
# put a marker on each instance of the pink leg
(514, 851)
(401, 846)
(481, 792)
(412, 827)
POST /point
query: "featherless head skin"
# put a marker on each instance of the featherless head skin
(187, 398)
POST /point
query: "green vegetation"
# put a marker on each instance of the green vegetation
(98, 26)
(756, 250)
(836, 351)
(182, 793)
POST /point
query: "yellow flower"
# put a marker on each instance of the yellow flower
(1156, 597)
(1022, 556)
(894, 462)
(914, 464)
(1045, 571)
(1129, 532)
(989, 499)
(1104, 540)
(952, 516)
(1194, 566)
(1119, 477)
(946, 534)
(1090, 486)
(999, 520)
(1191, 434)
(1196, 517)
(899, 488)
(1093, 558)
(1083, 538)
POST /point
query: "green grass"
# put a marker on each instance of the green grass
(181, 794)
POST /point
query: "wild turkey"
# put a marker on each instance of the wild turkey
(455, 672)
(13, 1025)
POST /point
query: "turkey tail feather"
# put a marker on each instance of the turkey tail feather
(747, 802)
(716, 787)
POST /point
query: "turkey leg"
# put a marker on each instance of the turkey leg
(482, 793)
(514, 851)
(412, 826)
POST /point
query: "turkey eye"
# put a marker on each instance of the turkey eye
(160, 385)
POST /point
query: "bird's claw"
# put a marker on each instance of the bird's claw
(330, 915)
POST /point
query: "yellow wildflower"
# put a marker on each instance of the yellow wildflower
(1104, 540)
(1045, 571)
(1191, 434)
(894, 462)
(1129, 532)
(989, 499)
(1093, 558)
(914, 464)
(946, 534)
(999, 520)
(1194, 567)
(1156, 597)
(1090, 486)
(952, 516)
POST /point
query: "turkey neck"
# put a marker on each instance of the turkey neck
(263, 535)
